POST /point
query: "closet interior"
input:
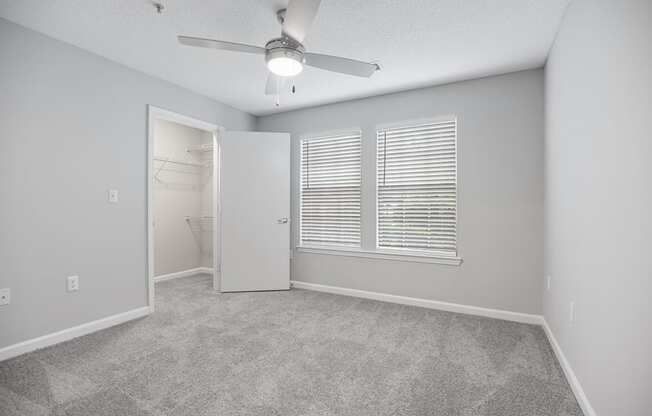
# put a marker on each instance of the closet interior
(184, 184)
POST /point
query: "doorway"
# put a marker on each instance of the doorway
(248, 223)
(182, 202)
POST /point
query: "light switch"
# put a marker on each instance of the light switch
(113, 196)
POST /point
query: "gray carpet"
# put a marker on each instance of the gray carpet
(290, 353)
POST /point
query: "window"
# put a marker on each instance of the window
(417, 188)
(330, 191)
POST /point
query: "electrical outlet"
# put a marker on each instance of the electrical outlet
(5, 296)
(572, 312)
(113, 196)
(548, 279)
(72, 283)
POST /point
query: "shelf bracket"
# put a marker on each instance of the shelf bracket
(163, 163)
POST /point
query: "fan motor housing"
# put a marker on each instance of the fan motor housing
(285, 53)
(284, 47)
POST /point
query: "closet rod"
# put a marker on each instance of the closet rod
(206, 147)
(179, 162)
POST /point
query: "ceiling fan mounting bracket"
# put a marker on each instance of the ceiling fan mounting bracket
(160, 7)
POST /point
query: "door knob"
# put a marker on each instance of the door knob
(283, 220)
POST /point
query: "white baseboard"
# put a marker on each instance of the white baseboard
(582, 400)
(183, 273)
(89, 327)
(70, 333)
(424, 303)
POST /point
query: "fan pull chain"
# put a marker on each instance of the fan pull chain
(278, 91)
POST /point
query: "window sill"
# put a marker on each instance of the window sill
(384, 255)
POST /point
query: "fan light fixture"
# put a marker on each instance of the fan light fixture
(285, 62)
(284, 67)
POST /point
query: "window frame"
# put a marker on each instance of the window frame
(300, 246)
(376, 252)
(410, 251)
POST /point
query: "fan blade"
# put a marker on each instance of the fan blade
(342, 65)
(221, 45)
(298, 18)
(276, 85)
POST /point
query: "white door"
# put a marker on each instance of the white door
(255, 195)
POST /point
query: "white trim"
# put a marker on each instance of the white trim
(151, 111)
(330, 133)
(416, 121)
(409, 256)
(572, 379)
(168, 115)
(70, 333)
(183, 273)
(156, 113)
(423, 303)
(582, 400)
(217, 207)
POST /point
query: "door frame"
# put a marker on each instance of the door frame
(156, 113)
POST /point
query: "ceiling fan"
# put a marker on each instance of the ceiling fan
(285, 56)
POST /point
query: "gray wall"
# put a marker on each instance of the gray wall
(73, 125)
(598, 204)
(500, 192)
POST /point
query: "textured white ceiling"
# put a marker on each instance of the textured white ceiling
(417, 42)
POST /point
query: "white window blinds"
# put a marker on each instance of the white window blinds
(417, 187)
(330, 190)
